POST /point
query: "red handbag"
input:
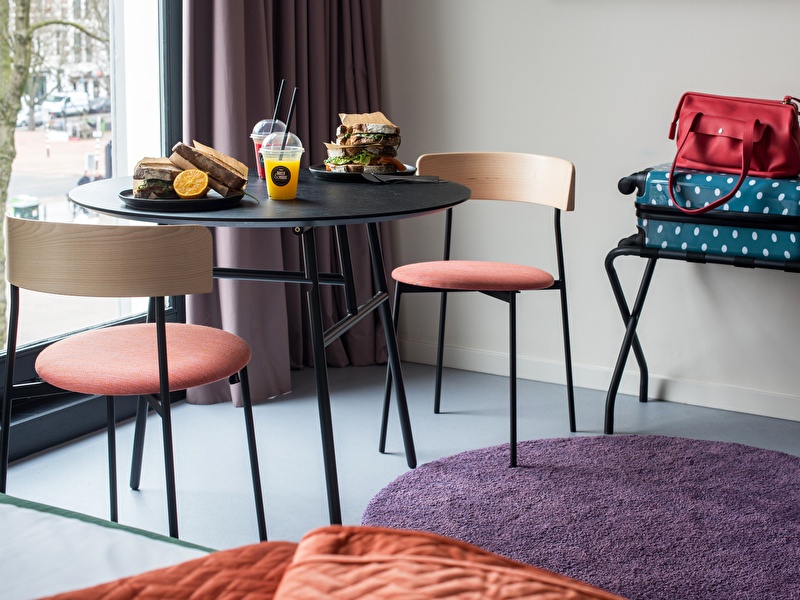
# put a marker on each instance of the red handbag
(744, 136)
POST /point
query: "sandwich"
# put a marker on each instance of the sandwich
(153, 177)
(226, 175)
(365, 143)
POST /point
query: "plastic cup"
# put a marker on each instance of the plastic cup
(282, 169)
(257, 141)
(260, 132)
(282, 165)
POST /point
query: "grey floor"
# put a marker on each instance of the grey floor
(214, 494)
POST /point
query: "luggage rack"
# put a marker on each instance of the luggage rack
(634, 246)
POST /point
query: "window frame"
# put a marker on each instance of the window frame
(45, 420)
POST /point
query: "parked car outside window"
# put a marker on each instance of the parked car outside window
(100, 105)
(40, 116)
(67, 104)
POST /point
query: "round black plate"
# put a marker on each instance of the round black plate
(211, 202)
(320, 172)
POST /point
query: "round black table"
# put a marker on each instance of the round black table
(318, 202)
(331, 200)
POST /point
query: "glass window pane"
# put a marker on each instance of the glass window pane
(44, 316)
(67, 133)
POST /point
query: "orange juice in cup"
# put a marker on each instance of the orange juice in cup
(282, 165)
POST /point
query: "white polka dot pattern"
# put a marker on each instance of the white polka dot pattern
(755, 234)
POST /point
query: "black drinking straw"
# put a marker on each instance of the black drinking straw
(288, 120)
(277, 106)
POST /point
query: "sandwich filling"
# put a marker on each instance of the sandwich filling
(153, 188)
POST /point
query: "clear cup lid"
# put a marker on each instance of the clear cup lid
(275, 140)
(263, 127)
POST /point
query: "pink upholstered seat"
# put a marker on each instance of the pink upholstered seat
(473, 275)
(123, 361)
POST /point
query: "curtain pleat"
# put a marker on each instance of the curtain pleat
(235, 55)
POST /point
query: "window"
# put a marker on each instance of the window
(99, 110)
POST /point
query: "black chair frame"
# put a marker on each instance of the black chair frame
(559, 284)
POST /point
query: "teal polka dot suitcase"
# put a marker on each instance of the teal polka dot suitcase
(761, 221)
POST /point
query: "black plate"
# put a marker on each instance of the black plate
(211, 202)
(320, 172)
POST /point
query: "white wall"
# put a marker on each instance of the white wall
(595, 82)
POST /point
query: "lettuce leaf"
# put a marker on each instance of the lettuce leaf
(362, 158)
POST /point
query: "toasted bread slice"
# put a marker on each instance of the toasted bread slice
(374, 121)
(156, 168)
(220, 188)
(218, 170)
(365, 139)
(235, 165)
(371, 128)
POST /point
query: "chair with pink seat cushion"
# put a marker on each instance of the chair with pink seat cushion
(150, 359)
(493, 176)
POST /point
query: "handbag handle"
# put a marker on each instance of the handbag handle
(748, 135)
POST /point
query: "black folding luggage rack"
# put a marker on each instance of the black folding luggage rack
(634, 246)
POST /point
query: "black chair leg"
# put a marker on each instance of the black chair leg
(11, 355)
(437, 393)
(169, 466)
(142, 408)
(5, 436)
(512, 377)
(253, 451)
(112, 458)
(568, 361)
(4, 443)
(138, 442)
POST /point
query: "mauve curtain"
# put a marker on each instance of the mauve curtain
(235, 54)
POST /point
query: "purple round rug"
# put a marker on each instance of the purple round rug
(643, 516)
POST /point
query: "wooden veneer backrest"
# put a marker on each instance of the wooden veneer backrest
(512, 176)
(123, 261)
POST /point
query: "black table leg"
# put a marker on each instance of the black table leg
(321, 374)
(391, 343)
(631, 340)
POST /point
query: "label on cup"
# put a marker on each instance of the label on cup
(280, 175)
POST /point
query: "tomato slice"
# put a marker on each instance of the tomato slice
(391, 160)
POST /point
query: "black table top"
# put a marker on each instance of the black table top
(318, 202)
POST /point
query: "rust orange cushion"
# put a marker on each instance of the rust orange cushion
(373, 562)
(123, 360)
(473, 275)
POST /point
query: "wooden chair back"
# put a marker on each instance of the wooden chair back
(122, 261)
(514, 176)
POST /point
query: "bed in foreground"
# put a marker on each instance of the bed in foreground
(48, 552)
